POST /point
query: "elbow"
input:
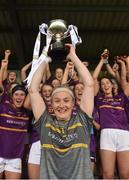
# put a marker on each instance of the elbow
(27, 106)
(23, 71)
(90, 84)
(31, 90)
(95, 79)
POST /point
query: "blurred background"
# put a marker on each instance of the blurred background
(101, 24)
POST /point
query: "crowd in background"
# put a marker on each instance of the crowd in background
(21, 140)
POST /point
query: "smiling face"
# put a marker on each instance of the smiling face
(12, 77)
(46, 92)
(18, 98)
(106, 86)
(59, 74)
(78, 90)
(62, 103)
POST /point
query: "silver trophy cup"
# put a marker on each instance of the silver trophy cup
(58, 31)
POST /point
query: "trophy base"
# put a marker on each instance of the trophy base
(58, 51)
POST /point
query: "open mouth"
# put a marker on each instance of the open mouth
(47, 97)
(107, 89)
(12, 79)
(62, 110)
(19, 102)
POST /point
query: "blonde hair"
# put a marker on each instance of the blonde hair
(63, 89)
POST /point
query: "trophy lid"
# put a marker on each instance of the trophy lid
(57, 26)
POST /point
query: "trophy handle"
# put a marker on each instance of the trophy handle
(66, 34)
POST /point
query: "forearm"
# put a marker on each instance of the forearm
(123, 74)
(26, 67)
(27, 103)
(23, 71)
(98, 69)
(87, 99)
(48, 72)
(5, 74)
(37, 103)
(2, 70)
(37, 78)
(6, 68)
(127, 65)
(23, 75)
(123, 71)
(65, 77)
(83, 72)
(117, 76)
(109, 69)
(1, 80)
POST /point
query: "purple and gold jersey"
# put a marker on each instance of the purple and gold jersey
(5, 96)
(112, 112)
(13, 131)
(6, 85)
(32, 132)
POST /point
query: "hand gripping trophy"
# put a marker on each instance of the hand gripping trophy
(55, 33)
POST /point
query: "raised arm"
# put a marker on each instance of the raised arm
(126, 59)
(115, 69)
(37, 102)
(27, 102)
(48, 72)
(110, 70)
(87, 100)
(7, 53)
(23, 71)
(97, 72)
(68, 69)
(124, 82)
(2, 69)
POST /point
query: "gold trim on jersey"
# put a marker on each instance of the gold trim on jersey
(53, 128)
(75, 125)
(13, 129)
(109, 106)
(50, 146)
(17, 117)
(56, 129)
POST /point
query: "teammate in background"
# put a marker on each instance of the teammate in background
(14, 122)
(113, 121)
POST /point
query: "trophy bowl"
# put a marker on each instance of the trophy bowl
(58, 31)
(57, 28)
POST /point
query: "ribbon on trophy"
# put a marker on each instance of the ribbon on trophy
(75, 38)
(37, 60)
